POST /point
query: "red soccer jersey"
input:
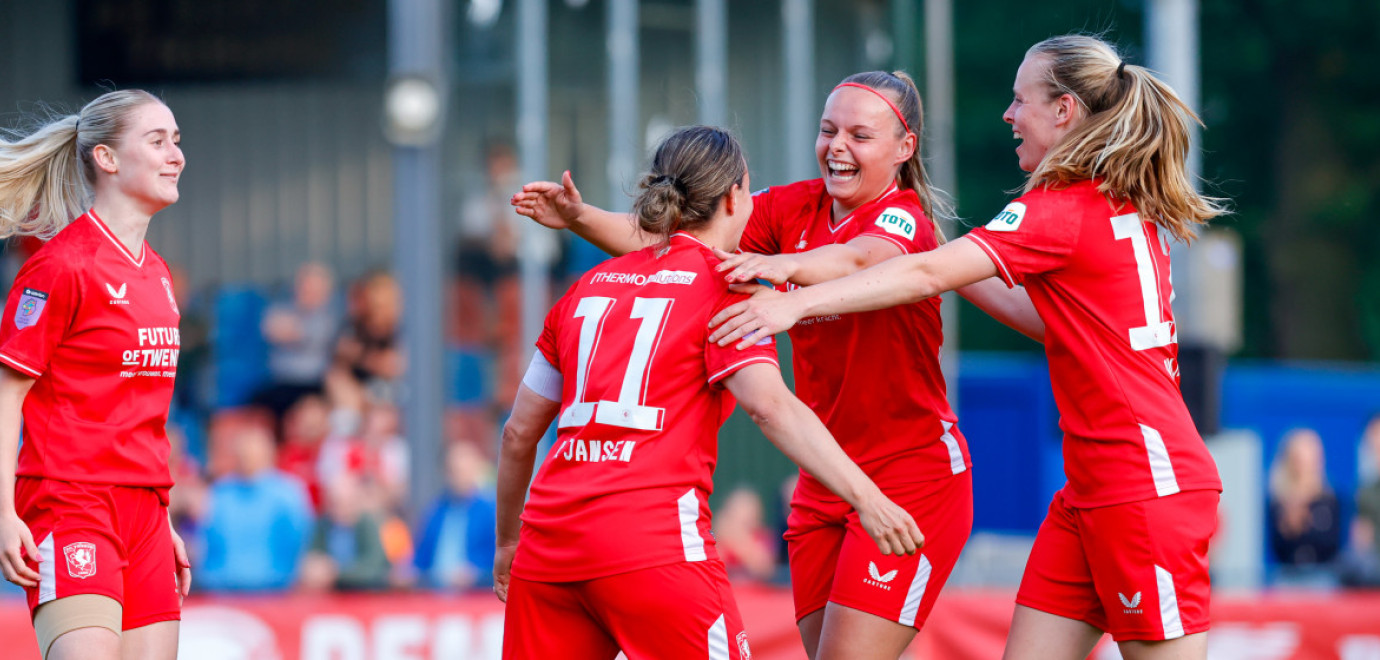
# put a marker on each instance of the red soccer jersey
(97, 329)
(873, 378)
(1099, 277)
(626, 485)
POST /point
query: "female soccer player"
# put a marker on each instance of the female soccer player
(1124, 547)
(89, 343)
(615, 550)
(874, 379)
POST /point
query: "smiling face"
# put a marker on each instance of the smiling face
(860, 148)
(147, 161)
(1037, 120)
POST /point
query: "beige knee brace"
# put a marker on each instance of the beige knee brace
(56, 618)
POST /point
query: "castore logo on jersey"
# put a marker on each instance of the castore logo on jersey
(1132, 604)
(117, 296)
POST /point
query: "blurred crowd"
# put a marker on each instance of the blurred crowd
(1320, 538)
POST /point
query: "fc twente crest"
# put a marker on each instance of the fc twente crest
(81, 559)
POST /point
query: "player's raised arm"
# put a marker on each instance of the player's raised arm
(799, 434)
(560, 206)
(897, 281)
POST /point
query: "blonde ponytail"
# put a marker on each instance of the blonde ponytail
(47, 175)
(1135, 138)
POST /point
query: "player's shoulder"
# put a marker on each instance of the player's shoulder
(69, 252)
(800, 193)
(1063, 204)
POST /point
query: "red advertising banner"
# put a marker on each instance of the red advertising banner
(966, 624)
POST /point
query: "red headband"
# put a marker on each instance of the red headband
(881, 96)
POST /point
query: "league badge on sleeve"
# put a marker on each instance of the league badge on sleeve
(31, 305)
(1009, 219)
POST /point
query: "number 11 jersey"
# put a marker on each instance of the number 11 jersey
(626, 485)
(1099, 275)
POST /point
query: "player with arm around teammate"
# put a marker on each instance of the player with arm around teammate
(873, 379)
(615, 551)
(1124, 547)
(89, 346)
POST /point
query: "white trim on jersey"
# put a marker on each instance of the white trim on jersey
(543, 378)
(742, 363)
(100, 224)
(955, 452)
(834, 229)
(718, 640)
(690, 539)
(1161, 469)
(1169, 605)
(993, 255)
(916, 592)
(47, 571)
(693, 238)
(20, 366)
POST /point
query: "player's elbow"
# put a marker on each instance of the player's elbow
(767, 411)
(517, 437)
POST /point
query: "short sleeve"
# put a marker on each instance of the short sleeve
(721, 361)
(41, 307)
(1027, 238)
(763, 228)
(904, 225)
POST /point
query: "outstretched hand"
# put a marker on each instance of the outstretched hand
(747, 266)
(767, 312)
(891, 527)
(551, 204)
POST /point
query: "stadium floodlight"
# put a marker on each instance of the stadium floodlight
(413, 107)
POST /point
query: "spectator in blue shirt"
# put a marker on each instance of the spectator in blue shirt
(456, 548)
(257, 520)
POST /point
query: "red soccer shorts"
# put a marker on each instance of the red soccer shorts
(1138, 571)
(683, 610)
(834, 560)
(101, 539)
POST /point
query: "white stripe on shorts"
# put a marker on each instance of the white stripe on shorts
(1169, 605)
(718, 640)
(47, 571)
(690, 538)
(916, 593)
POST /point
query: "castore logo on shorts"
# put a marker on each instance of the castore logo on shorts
(879, 579)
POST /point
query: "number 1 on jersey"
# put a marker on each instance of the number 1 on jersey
(628, 411)
(1156, 332)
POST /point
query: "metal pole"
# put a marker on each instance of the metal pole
(1172, 51)
(711, 61)
(533, 86)
(941, 155)
(801, 110)
(624, 115)
(415, 38)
